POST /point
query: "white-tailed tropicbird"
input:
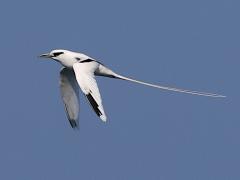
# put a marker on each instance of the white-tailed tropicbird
(80, 69)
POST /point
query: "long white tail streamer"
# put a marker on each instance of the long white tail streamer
(171, 88)
(104, 71)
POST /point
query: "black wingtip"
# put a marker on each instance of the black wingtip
(93, 104)
(73, 124)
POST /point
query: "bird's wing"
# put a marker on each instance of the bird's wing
(104, 71)
(70, 95)
(84, 72)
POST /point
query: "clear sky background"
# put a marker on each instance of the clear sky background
(151, 134)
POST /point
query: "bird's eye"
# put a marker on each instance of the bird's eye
(57, 54)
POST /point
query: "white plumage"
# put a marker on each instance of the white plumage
(84, 73)
(81, 69)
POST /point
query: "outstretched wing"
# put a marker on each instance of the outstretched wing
(104, 71)
(70, 95)
(84, 71)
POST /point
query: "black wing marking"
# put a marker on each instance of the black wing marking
(86, 60)
(93, 104)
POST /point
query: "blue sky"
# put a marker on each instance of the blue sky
(150, 134)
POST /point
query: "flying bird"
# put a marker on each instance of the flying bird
(79, 71)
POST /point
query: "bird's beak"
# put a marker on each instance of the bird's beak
(45, 55)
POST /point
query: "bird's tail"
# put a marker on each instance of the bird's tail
(104, 71)
(171, 88)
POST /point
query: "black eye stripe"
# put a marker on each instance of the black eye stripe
(57, 54)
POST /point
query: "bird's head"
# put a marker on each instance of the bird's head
(57, 54)
(65, 57)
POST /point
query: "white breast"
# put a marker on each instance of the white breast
(68, 62)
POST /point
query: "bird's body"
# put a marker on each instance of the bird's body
(80, 70)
